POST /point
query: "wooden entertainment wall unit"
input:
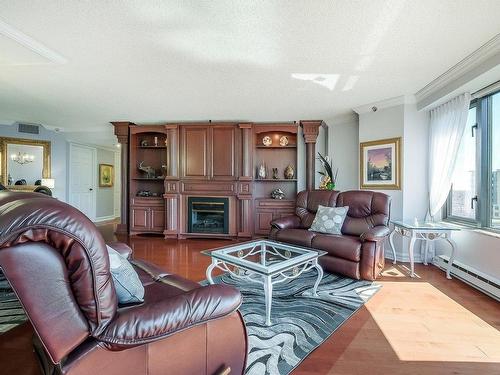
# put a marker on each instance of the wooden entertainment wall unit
(201, 179)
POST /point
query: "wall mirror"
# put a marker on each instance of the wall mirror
(23, 162)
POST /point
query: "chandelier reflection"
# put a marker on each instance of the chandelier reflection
(22, 158)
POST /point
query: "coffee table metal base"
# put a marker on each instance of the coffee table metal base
(267, 281)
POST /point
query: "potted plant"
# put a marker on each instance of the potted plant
(329, 179)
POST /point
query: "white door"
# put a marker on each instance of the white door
(82, 177)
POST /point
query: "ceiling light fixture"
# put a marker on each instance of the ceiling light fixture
(22, 158)
(30, 43)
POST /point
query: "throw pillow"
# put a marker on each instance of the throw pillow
(329, 219)
(128, 286)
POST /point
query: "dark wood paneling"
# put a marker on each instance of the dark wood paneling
(157, 219)
(209, 188)
(262, 222)
(139, 218)
(223, 152)
(276, 208)
(195, 151)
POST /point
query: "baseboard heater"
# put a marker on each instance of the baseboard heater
(484, 283)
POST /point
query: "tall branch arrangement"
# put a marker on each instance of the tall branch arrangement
(329, 175)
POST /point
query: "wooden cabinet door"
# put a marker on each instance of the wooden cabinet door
(263, 222)
(195, 151)
(157, 215)
(223, 155)
(139, 219)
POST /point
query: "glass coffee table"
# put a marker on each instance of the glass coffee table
(265, 262)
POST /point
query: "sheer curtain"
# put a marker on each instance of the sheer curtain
(447, 125)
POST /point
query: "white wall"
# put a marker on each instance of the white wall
(415, 158)
(105, 196)
(343, 148)
(477, 250)
(382, 124)
(405, 121)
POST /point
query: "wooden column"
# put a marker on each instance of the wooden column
(172, 193)
(121, 132)
(173, 151)
(310, 131)
(245, 211)
(246, 153)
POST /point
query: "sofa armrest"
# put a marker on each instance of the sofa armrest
(122, 248)
(148, 322)
(287, 222)
(375, 234)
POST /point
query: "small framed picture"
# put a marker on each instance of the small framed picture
(106, 175)
(380, 164)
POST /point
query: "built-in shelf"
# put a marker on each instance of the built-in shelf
(275, 147)
(276, 180)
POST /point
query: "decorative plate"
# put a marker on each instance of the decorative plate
(267, 141)
(284, 141)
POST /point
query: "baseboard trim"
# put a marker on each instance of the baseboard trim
(478, 280)
(102, 219)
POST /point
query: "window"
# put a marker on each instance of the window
(475, 193)
(495, 161)
(461, 204)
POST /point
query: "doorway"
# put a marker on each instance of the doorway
(82, 179)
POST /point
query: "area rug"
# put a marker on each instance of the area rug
(300, 321)
(11, 311)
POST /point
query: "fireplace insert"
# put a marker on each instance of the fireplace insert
(208, 215)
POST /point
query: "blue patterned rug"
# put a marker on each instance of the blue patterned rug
(11, 311)
(300, 321)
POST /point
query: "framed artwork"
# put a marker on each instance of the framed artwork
(106, 175)
(380, 164)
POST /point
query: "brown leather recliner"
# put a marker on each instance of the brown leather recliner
(58, 265)
(359, 251)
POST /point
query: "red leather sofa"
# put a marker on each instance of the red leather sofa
(58, 265)
(359, 251)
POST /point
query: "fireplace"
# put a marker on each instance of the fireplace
(208, 215)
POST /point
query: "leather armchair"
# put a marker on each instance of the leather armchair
(57, 263)
(359, 251)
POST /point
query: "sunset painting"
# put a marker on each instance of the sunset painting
(379, 164)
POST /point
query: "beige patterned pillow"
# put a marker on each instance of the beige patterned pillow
(329, 219)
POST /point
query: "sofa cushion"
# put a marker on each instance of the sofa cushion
(128, 286)
(329, 220)
(366, 210)
(308, 201)
(340, 246)
(301, 237)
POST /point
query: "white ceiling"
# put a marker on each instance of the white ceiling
(79, 64)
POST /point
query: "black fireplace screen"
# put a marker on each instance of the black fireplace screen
(208, 215)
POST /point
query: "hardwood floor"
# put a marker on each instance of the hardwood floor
(425, 325)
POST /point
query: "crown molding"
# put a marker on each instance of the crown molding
(475, 60)
(31, 44)
(386, 103)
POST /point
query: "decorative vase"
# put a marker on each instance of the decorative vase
(330, 186)
(289, 172)
(275, 173)
(261, 171)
